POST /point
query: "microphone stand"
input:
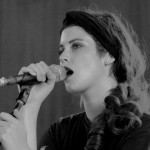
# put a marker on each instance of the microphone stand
(22, 97)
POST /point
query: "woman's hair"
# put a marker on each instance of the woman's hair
(125, 103)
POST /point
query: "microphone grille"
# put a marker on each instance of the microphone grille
(59, 71)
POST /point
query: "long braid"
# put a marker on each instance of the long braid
(119, 116)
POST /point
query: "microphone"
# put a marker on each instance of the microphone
(27, 79)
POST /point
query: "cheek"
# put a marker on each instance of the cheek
(90, 71)
(89, 65)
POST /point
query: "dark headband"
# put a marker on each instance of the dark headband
(96, 28)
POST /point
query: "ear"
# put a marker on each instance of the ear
(108, 59)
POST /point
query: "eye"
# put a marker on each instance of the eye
(76, 45)
(61, 49)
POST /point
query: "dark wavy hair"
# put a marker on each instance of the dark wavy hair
(126, 103)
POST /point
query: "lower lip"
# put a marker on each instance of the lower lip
(67, 77)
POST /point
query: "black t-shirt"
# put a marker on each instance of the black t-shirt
(71, 133)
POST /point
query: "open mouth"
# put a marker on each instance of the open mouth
(69, 71)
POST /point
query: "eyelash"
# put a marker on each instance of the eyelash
(60, 51)
(73, 46)
(76, 45)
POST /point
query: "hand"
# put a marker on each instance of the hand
(12, 133)
(41, 90)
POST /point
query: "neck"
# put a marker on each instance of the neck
(93, 98)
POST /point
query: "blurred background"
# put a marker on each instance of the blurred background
(29, 33)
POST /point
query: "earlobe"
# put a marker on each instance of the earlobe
(106, 62)
(108, 59)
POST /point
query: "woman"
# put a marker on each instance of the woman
(106, 66)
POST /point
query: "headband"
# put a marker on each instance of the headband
(96, 28)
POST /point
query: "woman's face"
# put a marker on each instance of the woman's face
(78, 52)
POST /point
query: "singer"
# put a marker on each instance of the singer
(105, 65)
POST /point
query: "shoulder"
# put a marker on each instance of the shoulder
(145, 127)
(138, 138)
(146, 120)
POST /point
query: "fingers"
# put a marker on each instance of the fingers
(39, 70)
(7, 117)
(50, 76)
(46, 81)
(4, 126)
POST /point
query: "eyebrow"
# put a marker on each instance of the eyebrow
(71, 41)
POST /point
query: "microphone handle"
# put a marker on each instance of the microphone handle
(19, 79)
(25, 78)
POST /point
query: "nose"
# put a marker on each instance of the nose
(64, 59)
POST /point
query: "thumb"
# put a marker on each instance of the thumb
(51, 77)
(17, 114)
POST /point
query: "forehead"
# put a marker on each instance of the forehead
(75, 32)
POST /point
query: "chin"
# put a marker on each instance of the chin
(73, 89)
